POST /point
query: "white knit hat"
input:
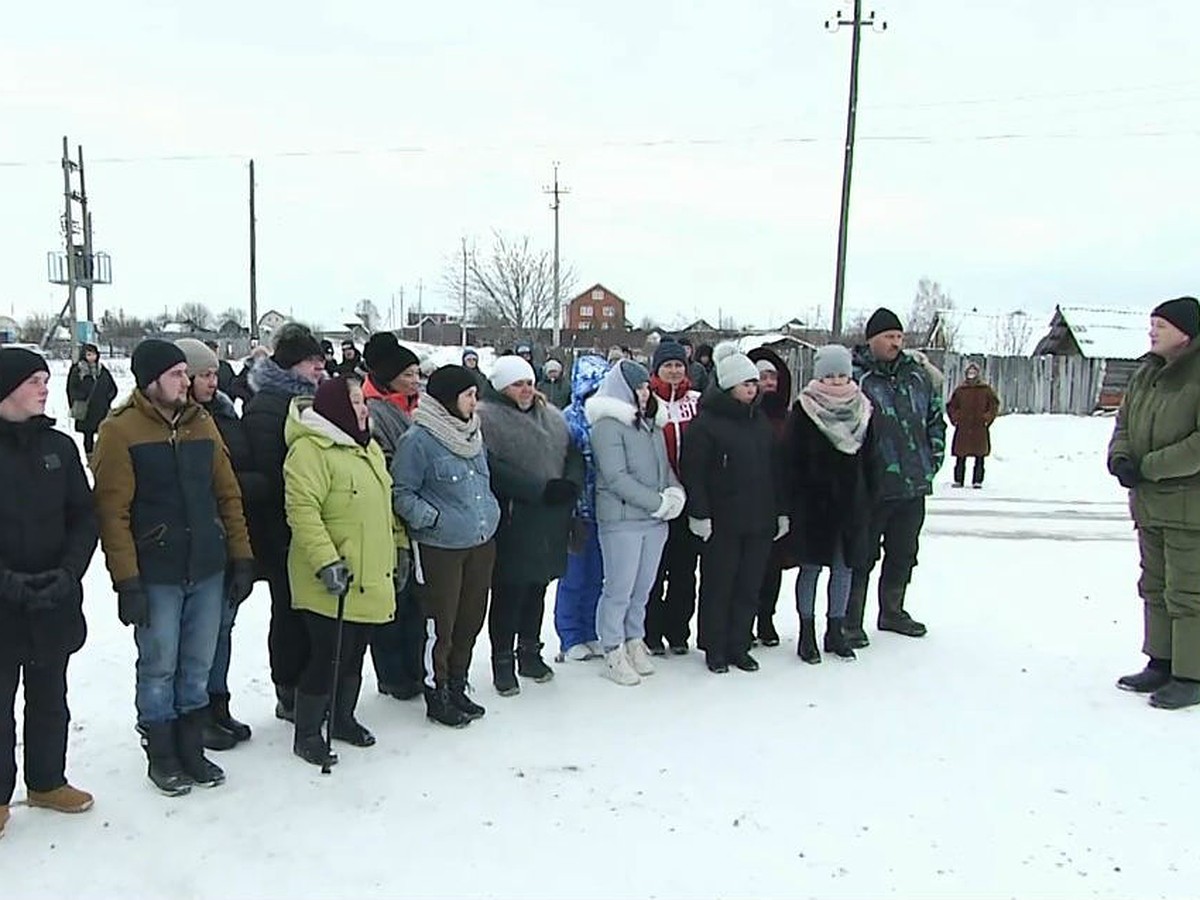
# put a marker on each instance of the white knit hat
(733, 366)
(508, 370)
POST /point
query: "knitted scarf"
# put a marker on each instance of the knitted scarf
(841, 413)
(460, 438)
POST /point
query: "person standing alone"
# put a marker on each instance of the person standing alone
(972, 409)
(91, 391)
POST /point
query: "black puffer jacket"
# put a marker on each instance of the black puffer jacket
(828, 495)
(97, 391)
(46, 522)
(250, 480)
(729, 466)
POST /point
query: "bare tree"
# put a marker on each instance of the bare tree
(510, 285)
(196, 314)
(929, 300)
(234, 314)
(35, 326)
(1012, 334)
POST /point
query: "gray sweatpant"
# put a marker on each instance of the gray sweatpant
(631, 553)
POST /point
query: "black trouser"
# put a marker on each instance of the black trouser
(287, 638)
(960, 470)
(669, 614)
(731, 573)
(46, 718)
(516, 611)
(397, 646)
(317, 678)
(896, 525)
(768, 594)
(89, 442)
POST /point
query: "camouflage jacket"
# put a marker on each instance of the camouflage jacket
(908, 422)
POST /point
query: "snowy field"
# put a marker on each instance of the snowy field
(994, 758)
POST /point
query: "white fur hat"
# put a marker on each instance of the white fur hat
(733, 367)
(509, 370)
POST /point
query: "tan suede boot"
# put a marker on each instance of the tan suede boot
(65, 799)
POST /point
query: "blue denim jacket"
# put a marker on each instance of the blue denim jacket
(445, 500)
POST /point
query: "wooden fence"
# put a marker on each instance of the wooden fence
(1043, 384)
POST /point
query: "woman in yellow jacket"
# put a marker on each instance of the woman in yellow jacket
(338, 499)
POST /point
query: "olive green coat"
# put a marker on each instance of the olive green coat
(338, 497)
(1158, 427)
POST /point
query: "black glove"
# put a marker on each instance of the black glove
(46, 590)
(336, 577)
(1128, 472)
(239, 580)
(560, 492)
(14, 589)
(133, 606)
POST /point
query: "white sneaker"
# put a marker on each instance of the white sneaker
(618, 669)
(639, 656)
(580, 652)
(596, 649)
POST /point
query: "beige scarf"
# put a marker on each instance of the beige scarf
(841, 413)
(460, 438)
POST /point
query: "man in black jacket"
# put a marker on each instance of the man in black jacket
(47, 538)
(222, 731)
(295, 369)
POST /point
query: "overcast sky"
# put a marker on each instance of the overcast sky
(1022, 153)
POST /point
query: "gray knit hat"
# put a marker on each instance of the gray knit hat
(832, 359)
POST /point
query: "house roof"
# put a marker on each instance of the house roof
(977, 333)
(587, 295)
(1105, 333)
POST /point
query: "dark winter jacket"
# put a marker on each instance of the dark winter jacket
(729, 466)
(46, 522)
(263, 420)
(356, 367)
(699, 375)
(828, 498)
(1158, 428)
(909, 428)
(97, 391)
(225, 378)
(252, 482)
(167, 500)
(775, 405)
(526, 449)
(391, 415)
(972, 409)
(557, 392)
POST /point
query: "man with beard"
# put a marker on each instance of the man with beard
(175, 540)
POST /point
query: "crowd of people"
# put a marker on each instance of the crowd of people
(398, 508)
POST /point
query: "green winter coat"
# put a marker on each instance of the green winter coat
(1158, 426)
(338, 497)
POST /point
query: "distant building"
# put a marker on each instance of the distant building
(596, 309)
(10, 330)
(268, 323)
(1117, 336)
(970, 332)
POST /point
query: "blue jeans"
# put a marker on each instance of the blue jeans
(838, 592)
(218, 678)
(176, 650)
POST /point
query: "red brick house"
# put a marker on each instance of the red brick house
(596, 309)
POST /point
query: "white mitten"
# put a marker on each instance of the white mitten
(701, 528)
(782, 526)
(678, 502)
(664, 506)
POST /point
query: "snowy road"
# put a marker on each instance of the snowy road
(994, 758)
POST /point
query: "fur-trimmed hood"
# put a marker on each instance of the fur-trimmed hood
(614, 399)
(268, 376)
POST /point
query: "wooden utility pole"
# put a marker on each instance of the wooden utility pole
(464, 294)
(253, 262)
(856, 22)
(557, 191)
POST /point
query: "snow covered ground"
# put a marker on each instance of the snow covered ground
(994, 758)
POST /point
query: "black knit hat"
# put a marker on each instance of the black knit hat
(446, 383)
(151, 358)
(666, 351)
(1182, 312)
(883, 319)
(386, 357)
(16, 365)
(295, 343)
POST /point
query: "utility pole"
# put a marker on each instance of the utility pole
(856, 22)
(464, 294)
(253, 262)
(557, 191)
(420, 310)
(87, 238)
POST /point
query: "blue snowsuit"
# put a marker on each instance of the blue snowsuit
(579, 587)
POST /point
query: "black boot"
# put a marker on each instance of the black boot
(440, 708)
(219, 705)
(767, 635)
(405, 690)
(345, 727)
(1156, 674)
(309, 743)
(807, 648)
(530, 663)
(165, 770)
(716, 663)
(285, 703)
(504, 676)
(213, 735)
(189, 744)
(892, 616)
(1176, 694)
(852, 625)
(835, 640)
(745, 661)
(458, 697)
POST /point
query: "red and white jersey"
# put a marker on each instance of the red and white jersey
(680, 404)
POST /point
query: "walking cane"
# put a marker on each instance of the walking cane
(337, 666)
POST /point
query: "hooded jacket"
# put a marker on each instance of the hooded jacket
(586, 377)
(630, 454)
(339, 507)
(775, 405)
